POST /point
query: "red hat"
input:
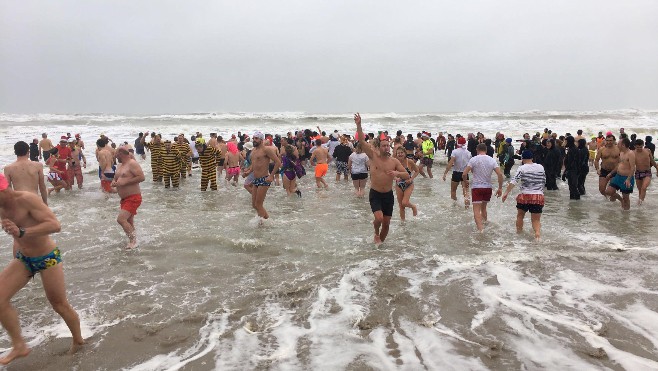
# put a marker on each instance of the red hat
(461, 141)
(77, 135)
(63, 138)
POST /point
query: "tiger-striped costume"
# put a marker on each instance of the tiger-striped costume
(156, 159)
(208, 162)
(171, 167)
(185, 153)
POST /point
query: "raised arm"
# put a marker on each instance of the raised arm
(365, 147)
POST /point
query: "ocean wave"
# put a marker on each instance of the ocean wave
(85, 118)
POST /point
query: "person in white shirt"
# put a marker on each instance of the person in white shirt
(481, 190)
(458, 161)
(532, 178)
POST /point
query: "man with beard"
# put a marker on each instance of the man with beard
(126, 181)
(383, 170)
(261, 156)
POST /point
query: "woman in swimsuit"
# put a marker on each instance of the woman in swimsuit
(288, 162)
(54, 174)
(405, 187)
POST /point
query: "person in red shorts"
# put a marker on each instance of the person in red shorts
(126, 181)
(482, 167)
(65, 156)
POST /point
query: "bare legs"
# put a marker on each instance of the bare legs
(614, 196)
(14, 277)
(480, 214)
(257, 199)
(381, 224)
(403, 201)
(642, 186)
(535, 219)
(360, 187)
(127, 221)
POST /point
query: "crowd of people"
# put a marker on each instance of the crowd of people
(261, 160)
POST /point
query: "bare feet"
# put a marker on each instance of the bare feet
(132, 243)
(377, 241)
(414, 209)
(75, 346)
(14, 353)
(467, 203)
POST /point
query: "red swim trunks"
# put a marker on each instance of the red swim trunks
(106, 185)
(131, 203)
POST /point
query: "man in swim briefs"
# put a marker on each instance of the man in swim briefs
(643, 163)
(126, 181)
(30, 222)
(261, 156)
(607, 158)
(383, 170)
(106, 164)
(321, 156)
(622, 178)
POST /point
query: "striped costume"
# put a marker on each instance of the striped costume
(185, 154)
(208, 162)
(156, 159)
(171, 167)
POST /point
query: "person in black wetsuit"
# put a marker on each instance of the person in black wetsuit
(583, 160)
(552, 165)
(572, 168)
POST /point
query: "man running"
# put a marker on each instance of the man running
(126, 181)
(260, 162)
(622, 178)
(481, 190)
(644, 162)
(383, 170)
(607, 158)
(26, 175)
(30, 222)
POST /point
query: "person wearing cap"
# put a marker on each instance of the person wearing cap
(45, 145)
(208, 162)
(531, 179)
(481, 189)
(26, 175)
(126, 182)
(383, 171)
(64, 160)
(75, 167)
(156, 147)
(260, 161)
(427, 146)
(29, 221)
(458, 162)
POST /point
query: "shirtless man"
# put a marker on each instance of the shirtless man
(607, 158)
(126, 181)
(321, 156)
(26, 175)
(30, 222)
(105, 162)
(383, 170)
(221, 147)
(260, 162)
(644, 161)
(75, 168)
(623, 176)
(45, 145)
(592, 146)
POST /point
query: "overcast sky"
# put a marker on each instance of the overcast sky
(327, 56)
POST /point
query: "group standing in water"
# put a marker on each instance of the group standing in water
(264, 159)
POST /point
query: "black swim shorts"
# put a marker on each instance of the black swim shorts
(381, 202)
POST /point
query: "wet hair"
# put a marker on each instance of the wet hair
(400, 149)
(54, 151)
(399, 133)
(579, 132)
(481, 147)
(290, 152)
(625, 141)
(639, 142)
(318, 142)
(21, 148)
(101, 142)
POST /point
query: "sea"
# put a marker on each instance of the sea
(212, 288)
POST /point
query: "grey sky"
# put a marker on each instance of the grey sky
(327, 56)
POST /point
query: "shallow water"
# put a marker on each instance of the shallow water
(210, 289)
